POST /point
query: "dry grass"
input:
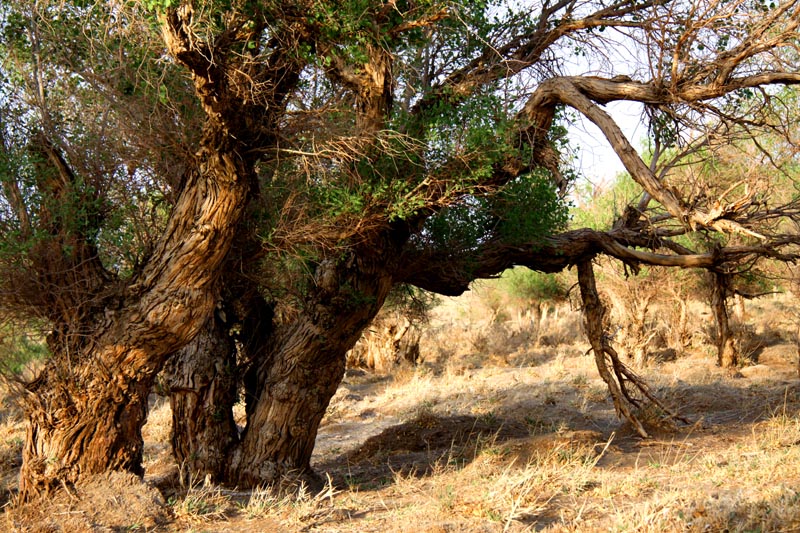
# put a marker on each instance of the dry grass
(202, 503)
(295, 508)
(508, 428)
(12, 436)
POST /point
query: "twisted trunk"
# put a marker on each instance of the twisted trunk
(303, 366)
(87, 407)
(294, 392)
(202, 380)
(81, 425)
(294, 371)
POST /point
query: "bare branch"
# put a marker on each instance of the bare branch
(585, 93)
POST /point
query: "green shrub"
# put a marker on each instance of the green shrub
(19, 350)
(530, 286)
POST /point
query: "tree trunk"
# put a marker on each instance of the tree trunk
(293, 396)
(202, 382)
(614, 374)
(727, 355)
(75, 430)
(300, 372)
(292, 372)
(87, 407)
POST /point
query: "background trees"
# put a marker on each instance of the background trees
(345, 149)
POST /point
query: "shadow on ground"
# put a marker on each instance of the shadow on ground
(424, 445)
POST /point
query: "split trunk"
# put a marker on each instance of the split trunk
(294, 373)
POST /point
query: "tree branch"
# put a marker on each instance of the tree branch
(449, 274)
(584, 94)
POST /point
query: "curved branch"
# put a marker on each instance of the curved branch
(584, 94)
(442, 272)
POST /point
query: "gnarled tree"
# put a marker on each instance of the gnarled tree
(347, 148)
(432, 158)
(111, 333)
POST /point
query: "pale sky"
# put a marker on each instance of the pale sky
(618, 55)
(596, 159)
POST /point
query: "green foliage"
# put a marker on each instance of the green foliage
(459, 227)
(454, 144)
(757, 281)
(89, 81)
(529, 208)
(663, 128)
(599, 208)
(159, 5)
(472, 128)
(523, 212)
(531, 286)
(19, 350)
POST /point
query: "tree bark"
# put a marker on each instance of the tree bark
(294, 392)
(202, 382)
(77, 429)
(203, 379)
(290, 372)
(87, 407)
(727, 354)
(302, 367)
(615, 376)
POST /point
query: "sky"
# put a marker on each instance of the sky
(596, 159)
(617, 54)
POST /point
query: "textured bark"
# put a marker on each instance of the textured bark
(202, 383)
(79, 430)
(256, 331)
(87, 407)
(289, 373)
(203, 380)
(727, 354)
(302, 367)
(449, 274)
(628, 391)
(445, 273)
(593, 312)
(294, 394)
(292, 373)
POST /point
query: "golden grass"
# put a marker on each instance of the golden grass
(578, 469)
(202, 503)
